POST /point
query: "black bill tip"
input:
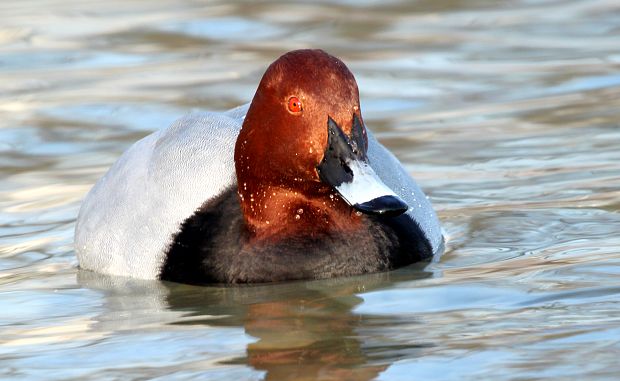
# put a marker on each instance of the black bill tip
(389, 206)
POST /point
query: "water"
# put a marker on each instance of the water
(507, 113)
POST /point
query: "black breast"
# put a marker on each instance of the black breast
(213, 246)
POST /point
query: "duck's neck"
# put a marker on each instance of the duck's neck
(271, 210)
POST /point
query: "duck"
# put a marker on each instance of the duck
(291, 186)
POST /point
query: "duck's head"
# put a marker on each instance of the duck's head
(304, 131)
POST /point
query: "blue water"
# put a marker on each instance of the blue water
(507, 113)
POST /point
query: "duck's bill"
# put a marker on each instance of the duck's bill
(368, 194)
(346, 169)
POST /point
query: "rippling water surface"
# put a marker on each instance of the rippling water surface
(507, 113)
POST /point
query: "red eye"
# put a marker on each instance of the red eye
(294, 105)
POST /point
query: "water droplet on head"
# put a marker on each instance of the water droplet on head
(300, 211)
(297, 216)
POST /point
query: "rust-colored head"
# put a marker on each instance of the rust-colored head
(284, 133)
(284, 137)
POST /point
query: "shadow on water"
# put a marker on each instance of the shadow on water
(300, 330)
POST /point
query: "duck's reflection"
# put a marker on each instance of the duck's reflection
(303, 330)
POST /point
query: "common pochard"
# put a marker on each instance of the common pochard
(291, 186)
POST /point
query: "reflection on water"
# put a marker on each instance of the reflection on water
(297, 331)
(506, 112)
